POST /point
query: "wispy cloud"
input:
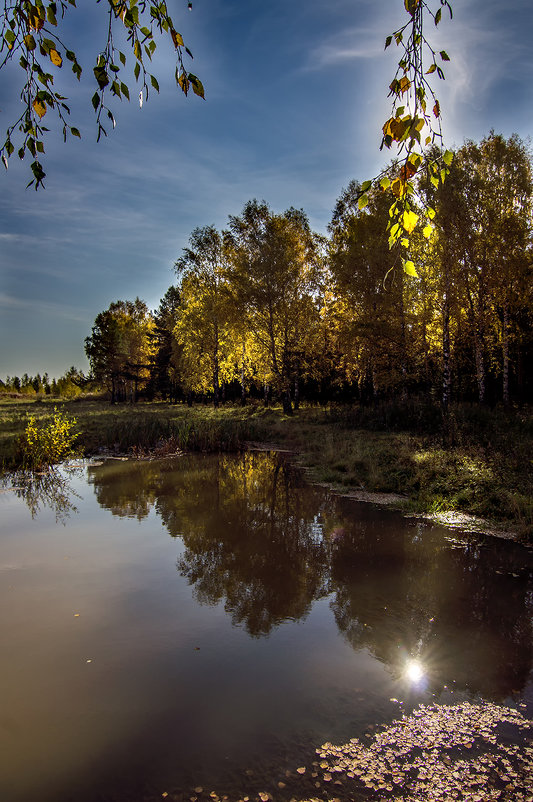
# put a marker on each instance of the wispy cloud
(35, 306)
(352, 44)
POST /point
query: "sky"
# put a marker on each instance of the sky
(295, 97)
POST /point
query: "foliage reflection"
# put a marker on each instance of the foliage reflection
(49, 489)
(261, 541)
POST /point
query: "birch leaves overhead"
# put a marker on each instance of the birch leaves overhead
(413, 126)
(32, 32)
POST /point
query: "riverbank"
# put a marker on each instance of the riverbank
(479, 464)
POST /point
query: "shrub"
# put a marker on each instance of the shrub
(46, 443)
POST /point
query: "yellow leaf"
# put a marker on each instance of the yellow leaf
(428, 231)
(177, 38)
(36, 22)
(410, 269)
(405, 83)
(55, 58)
(39, 107)
(409, 221)
(398, 187)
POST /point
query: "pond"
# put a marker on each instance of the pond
(207, 622)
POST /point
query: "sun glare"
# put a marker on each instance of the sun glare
(414, 671)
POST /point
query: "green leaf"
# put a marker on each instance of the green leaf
(447, 157)
(363, 201)
(384, 183)
(431, 69)
(409, 268)
(101, 76)
(388, 41)
(137, 71)
(96, 100)
(365, 186)
(10, 37)
(438, 16)
(51, 14)
(29, 41)
(154, 83)
(124, 89)
(122, 58)
(197, 86)
(444, 56)
(75, 132)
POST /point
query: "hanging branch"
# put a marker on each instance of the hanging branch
(29, 30)
(415, 115)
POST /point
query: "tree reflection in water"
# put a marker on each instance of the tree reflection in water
(50, 489)
(461, 609)
(267, 545)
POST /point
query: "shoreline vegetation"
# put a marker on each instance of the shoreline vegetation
(473, 470)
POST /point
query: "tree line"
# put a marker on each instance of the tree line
(71, 384)
(268, 308)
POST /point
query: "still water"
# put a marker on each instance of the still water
(211, 620)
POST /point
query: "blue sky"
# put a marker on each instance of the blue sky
(296, 93)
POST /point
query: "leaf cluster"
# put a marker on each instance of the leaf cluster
(414, 125)
(30, 30)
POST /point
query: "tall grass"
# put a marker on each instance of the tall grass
(480, 462)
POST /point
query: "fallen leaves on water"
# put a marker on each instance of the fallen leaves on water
(447, 752)
(439, 753)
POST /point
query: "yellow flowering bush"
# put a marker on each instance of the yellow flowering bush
(46, 443)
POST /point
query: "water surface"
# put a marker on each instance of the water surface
(211, 620)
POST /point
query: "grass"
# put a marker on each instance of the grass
(481, 463)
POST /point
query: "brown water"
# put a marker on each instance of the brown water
(212, 620)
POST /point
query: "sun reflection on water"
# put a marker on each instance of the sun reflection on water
(414, 671)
